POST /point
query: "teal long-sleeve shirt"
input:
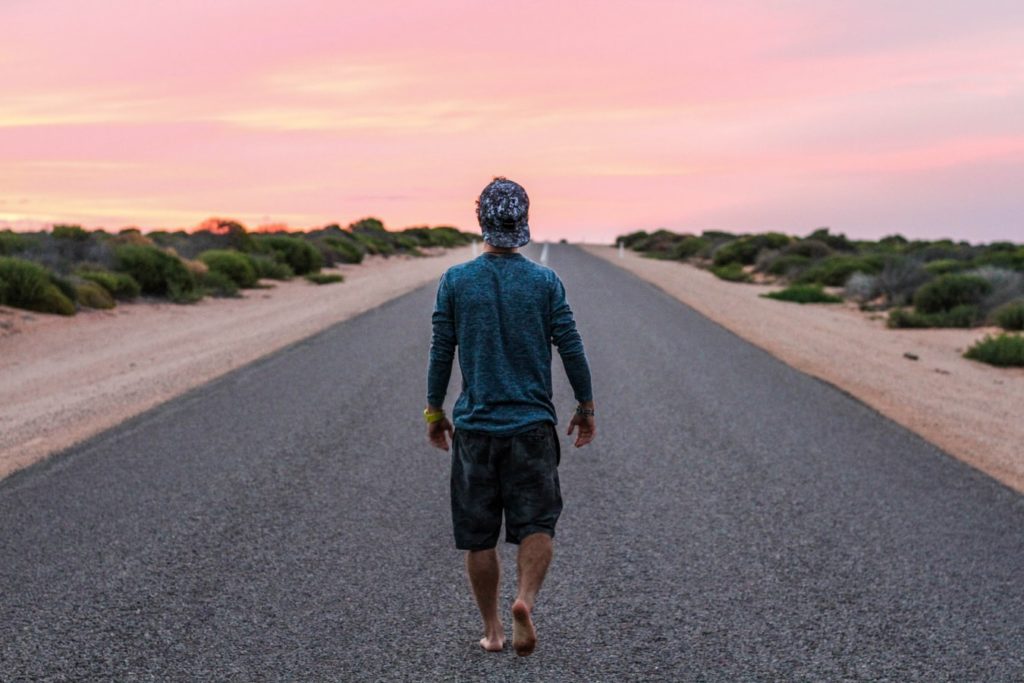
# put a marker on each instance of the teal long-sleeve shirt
(503, 313)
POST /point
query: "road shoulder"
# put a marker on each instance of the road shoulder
(968, 409)
(63, 380)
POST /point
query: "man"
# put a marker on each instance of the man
(503, 312)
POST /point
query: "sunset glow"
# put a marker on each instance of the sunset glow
(868, 117)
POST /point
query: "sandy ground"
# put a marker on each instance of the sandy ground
(971, 410)
(65, 379)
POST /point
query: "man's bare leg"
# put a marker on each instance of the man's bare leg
(534, 557)
(484, 575)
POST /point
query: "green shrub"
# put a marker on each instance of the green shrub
(267, 267)
(862, 287)
(661, 241)
(960, 316)
(93, 295)
(834, 271)
(1006, 285)
(837, 242)
(66, 286)
(947, 292)
(28, 285)
(375, 245)
(744, 250)
(324, 278)
(1004, 350)
(301, 256)
(120, 285)
(347, 251)
(732, 272)
(944, 266)
(70, 232)
(688, 247)
(233, 264)
(157, 272)
(808, 248)
(787, 264)
(407, 243)
(900, 278)
(630, 240)
(11, 242)
(1002, 259)
(218, 284)
(1010, 316)
(804, 294)
(446, 236)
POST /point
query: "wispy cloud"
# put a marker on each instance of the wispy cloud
(625, 115)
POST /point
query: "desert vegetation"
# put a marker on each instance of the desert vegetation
(915, 283)
(69, 268)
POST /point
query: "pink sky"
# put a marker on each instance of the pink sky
(869, 117)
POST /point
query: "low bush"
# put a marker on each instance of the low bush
(233, 264)
(218, 284)
(945, 266)
(744, 250)
(447, 236)
(960, 316)
(808, 248)
(324, 278)
(787, 265)
(408, 244)
(70, 232)
(1010, 316)
(158, 273)
(1007, 285)
(838, 242)
(688, 247)
(947, 292)
(834, 271)
(900, 277)
(28, 285)
(347, 251)
(630, 240)
(66, 286)
(732, 272)
(804, 294)
(1004, 350)
(11, 242)
(1013, 260)
(661, 241)
(93, 295)
(301, 256)
(267, 267)
(862, 287)
(119, 285)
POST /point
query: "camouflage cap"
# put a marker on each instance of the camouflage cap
(503, 213)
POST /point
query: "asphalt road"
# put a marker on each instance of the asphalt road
(734, 520)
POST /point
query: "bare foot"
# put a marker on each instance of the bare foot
(524, 636)
(493, 644)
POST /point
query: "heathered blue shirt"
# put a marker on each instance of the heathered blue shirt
(503, 312)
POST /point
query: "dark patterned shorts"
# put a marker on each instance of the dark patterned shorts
(517, 475)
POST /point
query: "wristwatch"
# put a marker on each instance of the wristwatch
(432, 416)
(585, 412)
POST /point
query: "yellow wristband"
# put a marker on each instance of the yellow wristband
(432, 417)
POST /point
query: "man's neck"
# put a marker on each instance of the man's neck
(488, 248)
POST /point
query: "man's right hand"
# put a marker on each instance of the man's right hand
(587, 426)
(438, 433)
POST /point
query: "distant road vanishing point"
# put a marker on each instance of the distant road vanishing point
(734, 520)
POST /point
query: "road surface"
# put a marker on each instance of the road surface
(734, 520)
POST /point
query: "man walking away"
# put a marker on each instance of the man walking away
(504, 312)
